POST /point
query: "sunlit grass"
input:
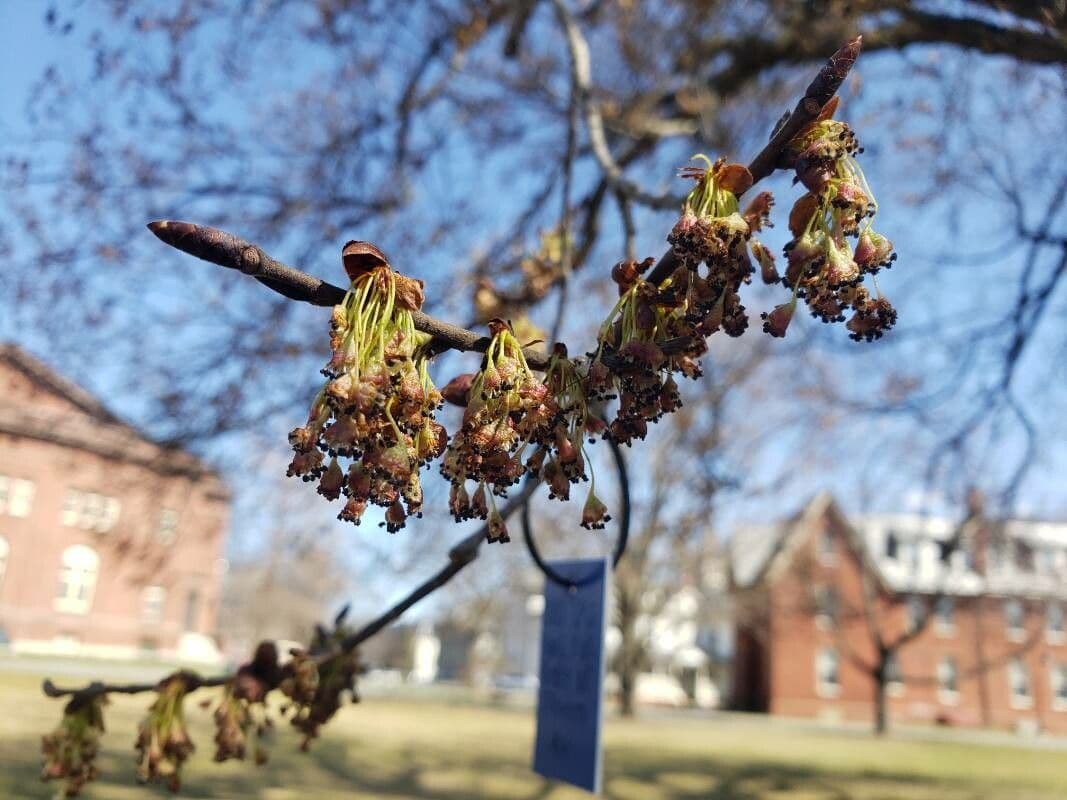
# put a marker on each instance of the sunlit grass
(397, 749)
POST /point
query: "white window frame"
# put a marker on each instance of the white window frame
(90, 511)
(826, 547)
(1058, 684)
(824, 592)
(824, 657)
(76, 596)
(917, 610)
(167, 529)
(945, 695)
(945, 628)
(20, 496)
(195, 593)
(5, 553)
(153, 604)
(1020, 701)
(894, 688)
(1055, 635)
(1014, 634)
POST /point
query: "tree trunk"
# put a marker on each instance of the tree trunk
(880, 677)
(881, 721)
(628, 662)
(627, 679)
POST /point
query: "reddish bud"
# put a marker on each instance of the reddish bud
(457, 390)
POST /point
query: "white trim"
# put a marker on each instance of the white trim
(947, 697)
(895, 688)
(1021, 702)
(944, 630)
(825, 688)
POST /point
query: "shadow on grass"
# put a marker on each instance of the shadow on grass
(360, 768)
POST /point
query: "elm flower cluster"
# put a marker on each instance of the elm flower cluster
(630, 362)
(235, 724)
(713, 231)
(561, 461)
(241, 715)
(377, 407)
(317, 686)
(507, 407)
(317, 692)
(70, 751)
(163, 742)
(825, 269)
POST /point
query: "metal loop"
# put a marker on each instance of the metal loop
(624, 526)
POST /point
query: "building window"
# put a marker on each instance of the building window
(894, 680)
(16, 496)
(916, 611)
(1058, 683)
(77, 579)
(192, 611)
(825, 606)
(826, 547)
(827, 679)
(4, 549)
(1013, 619)
(1046, 560)
(948, 690)
(943, 616)
(1054, 621)
(153, 599)
(892, 545)
(1019, 684)
(168, 526)
(1024, 556)
(90, 511)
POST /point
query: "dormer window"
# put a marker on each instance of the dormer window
(892, 545)
(826, 547)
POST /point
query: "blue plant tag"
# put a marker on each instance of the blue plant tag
(570, 703)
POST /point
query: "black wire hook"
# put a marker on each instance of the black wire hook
(624, 527)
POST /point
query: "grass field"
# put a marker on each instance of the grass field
(394, 749)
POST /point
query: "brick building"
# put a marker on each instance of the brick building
(979, 606)
(110, 544)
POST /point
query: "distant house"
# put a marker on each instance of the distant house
(992, 651)
(110, 544)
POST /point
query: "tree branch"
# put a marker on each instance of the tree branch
(233, 252)
(818, 94)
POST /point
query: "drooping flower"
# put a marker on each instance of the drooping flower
(377, 406)
(824, 269)
(70, 751)
(163, 743)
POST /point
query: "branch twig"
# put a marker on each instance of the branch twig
(233, 252)
(767, 160)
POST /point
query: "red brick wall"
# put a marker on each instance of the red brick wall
(131, 556)
(979, 636)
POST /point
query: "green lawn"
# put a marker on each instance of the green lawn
(397, 749)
